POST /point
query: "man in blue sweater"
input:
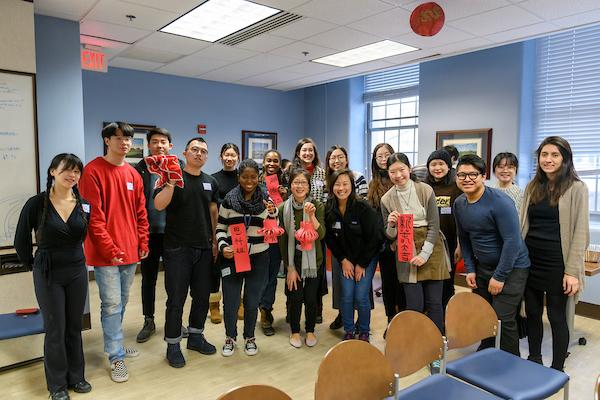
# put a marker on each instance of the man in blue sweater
(495, 255)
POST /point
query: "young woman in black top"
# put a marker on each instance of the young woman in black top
(227, 179)
(59, 218)
(354, 236)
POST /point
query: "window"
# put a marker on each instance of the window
(393, 110)
(566, 101)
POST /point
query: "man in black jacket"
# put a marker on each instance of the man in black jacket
(159, 143)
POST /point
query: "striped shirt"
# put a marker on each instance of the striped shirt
(360, 185)
(228, 216)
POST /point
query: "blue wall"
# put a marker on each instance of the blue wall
(180, 104)
(58, 89)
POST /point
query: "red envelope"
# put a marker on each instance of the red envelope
(405, 237)
(239, 242)
(167, 168)
(273, 188)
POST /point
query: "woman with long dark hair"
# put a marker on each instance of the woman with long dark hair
(555, 226)
(59, 218)
(393, 293)
(354, 236)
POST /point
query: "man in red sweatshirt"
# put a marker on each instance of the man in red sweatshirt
(117, 236)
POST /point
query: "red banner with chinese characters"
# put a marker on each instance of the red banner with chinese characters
(239, 242)
(273, 188)
(405, 237)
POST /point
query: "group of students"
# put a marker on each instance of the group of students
(514, 244)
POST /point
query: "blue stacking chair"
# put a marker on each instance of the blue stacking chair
(412, 342)
(469, 319)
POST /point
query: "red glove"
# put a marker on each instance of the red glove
(271, 230)
(167, 168)
(306, 235)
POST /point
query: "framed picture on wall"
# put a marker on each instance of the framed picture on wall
(468, 141)
(139, 143)
(256, 144)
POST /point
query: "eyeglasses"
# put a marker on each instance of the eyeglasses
(505, 167)
(300, 184)
(196, 150)
(338, 158)
(382, 157)
(472, 175)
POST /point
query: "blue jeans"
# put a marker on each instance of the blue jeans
(268, 297)
(357, 294)
(113, 285)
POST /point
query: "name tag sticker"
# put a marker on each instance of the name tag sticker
(86, 208)
(337, 225)
(446, 210)
(207, 186)
(129, 185)
(226, 271)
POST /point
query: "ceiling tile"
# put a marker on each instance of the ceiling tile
(143, 53)
(130, 63)
(227, 53)
(455, 9)
(109, 47)
(295, 50)
(463, 47)
(266, 62)
(386, 24)
(342, 13)
(447, 35)
(269, 78)
(302, 28)
(176, 6)
(282, 4)
(192, 66)
(229, 73)
(412, 57)
(310, 68)
(501, 19)
(523, 33)
(264, 43)
(65, 9)
(174, 43)
(114, 11)
(342, 38)
(590, 17)
(554, 9)
(369, 66)
(110, 31)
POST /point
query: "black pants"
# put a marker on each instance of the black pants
(150, 273)
(426, 295)
(186, 268)
(448, 290)
(62, 302)
(557, 314)
(307, 292)
(254, 283)
(505, 304)
(394, 299)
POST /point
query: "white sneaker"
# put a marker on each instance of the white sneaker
(228, 348)
(118, 371)
(131, 352)
(250, 347)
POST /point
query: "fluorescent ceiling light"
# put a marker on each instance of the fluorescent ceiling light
(370, 52)
(215, 19)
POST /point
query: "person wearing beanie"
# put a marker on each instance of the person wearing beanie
(439, 167)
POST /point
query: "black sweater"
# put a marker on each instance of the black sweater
(61, 244)
(356, 236)
(226, 180)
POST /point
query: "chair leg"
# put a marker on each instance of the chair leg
(566, 391)
(498, 334)
(444, 354)
(396, 388)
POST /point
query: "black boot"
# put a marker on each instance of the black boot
(266, 322)
(337, 322)
(147, 330)
(81, 387)
(60, 395)
(174, 356)
(197, 342)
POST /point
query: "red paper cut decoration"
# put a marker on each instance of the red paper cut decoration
(271, 230)
(167, 168)
(427, 19)
(239, 242)
(306, 235)
(405, 237)
(273, 188)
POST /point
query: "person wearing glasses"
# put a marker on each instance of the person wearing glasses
(495, 255)
(505, 166)
(189, 249)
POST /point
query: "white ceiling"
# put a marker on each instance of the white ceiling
(275, 59)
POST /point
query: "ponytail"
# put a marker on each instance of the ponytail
(49, 182)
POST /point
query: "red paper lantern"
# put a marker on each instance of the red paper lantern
(427, 19)
(306, 235)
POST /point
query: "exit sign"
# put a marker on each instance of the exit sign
(93, 60)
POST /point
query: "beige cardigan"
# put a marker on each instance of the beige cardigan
(573, 218)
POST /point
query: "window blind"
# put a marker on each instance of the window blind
(567, 90)
(392, 84)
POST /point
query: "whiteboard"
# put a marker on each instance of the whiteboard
(18, 149)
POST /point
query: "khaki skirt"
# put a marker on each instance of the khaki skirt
(435, 269)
